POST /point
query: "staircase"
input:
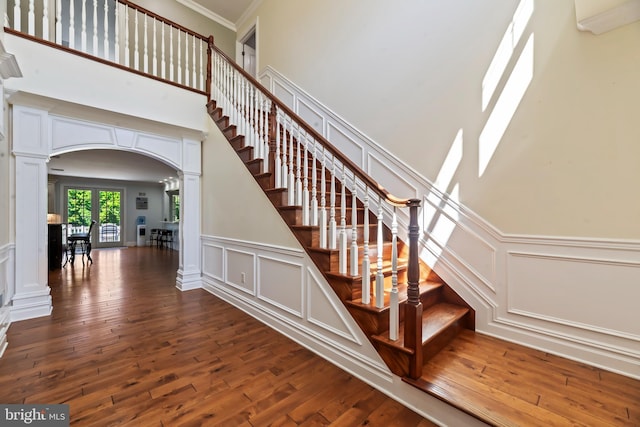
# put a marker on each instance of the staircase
(442, 315)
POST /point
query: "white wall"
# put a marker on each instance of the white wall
(411, 76)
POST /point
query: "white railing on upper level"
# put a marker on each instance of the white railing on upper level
(117, 32)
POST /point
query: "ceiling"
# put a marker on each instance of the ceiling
(121, 165)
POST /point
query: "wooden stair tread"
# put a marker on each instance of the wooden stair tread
(434, 319)
(425, 287)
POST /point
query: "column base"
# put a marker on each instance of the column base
(31, 305)
(186, 281)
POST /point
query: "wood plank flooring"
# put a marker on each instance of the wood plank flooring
(124, 347)
(505, 384)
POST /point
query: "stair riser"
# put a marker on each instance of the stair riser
(434, 346)
(245, 154)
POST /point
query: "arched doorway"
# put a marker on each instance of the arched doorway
(37, 135)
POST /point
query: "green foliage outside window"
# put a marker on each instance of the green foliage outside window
(79, 207)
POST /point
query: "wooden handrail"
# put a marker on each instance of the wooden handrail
(160, 18)
(370, 182)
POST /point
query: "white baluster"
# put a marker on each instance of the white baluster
(83, 27)
(265, 133)
(136, 50)
(17, 16)
(298, 172)
(332, 208)
(186, 60)
(194, 80)
(72, 25)
(305, 184)
(171, 54)
(59, 22)
(202, 60)
(354, 230)
(323, 203)
(278, 161)
(163, 61)
(45, 19)
(31, 19)
(127, 48)
(366, 266)
(314, 186)
(154, 69)
(95, 28)
(380, 274)
(145, 46)
(179, 47)
(342, 255)
(394, 313)
(292, 177)
(105, 43)
(116, 43)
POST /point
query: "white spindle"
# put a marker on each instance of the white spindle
(95, 29)
(179, 59)
(163, 62)
(105, 43)
(278, 160)
(194, 79)
(305, 184)
(145, 46)
(265, 133)
(136, 50)
(154, 69)
(332, 207)
(202, 80)
(342, 248)
(354, 231)
(31, 19)
(127, 50)
(45, 19)
(366, 264)
(116, 39)
(72, 25)
(186, 61)
(323, 202)
(17, 16)
(292, 177)
(83, 27)
(314, 186)
(298, 173)
(394, 313)
(171, 56)
(59, 22)
(380, 274)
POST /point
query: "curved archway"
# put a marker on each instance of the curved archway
(37, 135)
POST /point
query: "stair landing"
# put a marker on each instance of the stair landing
(505, 384)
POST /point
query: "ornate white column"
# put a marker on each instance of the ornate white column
(31, 297)
(189, 272)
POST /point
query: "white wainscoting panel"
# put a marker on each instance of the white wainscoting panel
(240, 270)
(311, 116)
(592, 287)
(279, 284)
(564, 295)
(213, 261)
(5, 295)
(66, 134)
(168, 149)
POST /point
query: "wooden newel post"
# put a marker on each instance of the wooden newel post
(209, 76)
(272, 129)
(413, 308)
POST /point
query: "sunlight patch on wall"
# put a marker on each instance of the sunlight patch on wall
(505, 107)
(505, 50)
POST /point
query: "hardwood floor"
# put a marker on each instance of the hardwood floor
(124, 347)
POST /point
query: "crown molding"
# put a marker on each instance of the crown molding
(624, 13)
(8, 64)
(209, 14)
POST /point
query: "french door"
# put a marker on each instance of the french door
(105, 206)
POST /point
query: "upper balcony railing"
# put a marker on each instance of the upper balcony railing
(118, 33)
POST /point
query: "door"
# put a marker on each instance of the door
(247, 52)
(102, 205)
